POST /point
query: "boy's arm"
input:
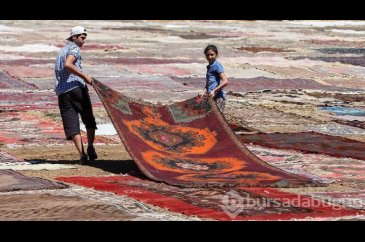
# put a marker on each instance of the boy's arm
(203, 92)
(224, 82)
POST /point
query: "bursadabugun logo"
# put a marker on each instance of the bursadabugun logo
(232, 203)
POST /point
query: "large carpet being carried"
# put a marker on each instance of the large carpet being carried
(188, 144)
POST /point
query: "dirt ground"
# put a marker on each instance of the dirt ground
(113, 160)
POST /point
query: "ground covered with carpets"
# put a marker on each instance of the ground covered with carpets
(296, 100)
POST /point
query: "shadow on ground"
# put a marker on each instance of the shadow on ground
(112, 166)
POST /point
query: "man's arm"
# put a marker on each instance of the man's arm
(69, 65)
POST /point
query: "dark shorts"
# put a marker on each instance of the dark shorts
(71, 104)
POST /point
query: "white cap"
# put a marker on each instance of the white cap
(77, 30)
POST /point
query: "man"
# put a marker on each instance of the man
(73, 94)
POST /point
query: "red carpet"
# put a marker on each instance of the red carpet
(188, 144)
(217, 203)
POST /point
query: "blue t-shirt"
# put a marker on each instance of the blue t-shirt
(65, 80)
(213, 79)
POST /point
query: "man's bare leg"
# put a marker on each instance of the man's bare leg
(90, 136)
(78, 143)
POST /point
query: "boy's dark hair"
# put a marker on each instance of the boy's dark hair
(77, 35)
(211, 47)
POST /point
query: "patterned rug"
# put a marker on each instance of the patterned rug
(323, 168)
(355, 200)
(188, 144)
(241, 203)
(47, 206)
(309, 142)
(36, 127)
(13, 181)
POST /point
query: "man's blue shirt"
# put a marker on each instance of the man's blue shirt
(65, 80)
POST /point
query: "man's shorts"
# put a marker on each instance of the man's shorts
(72, 103)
